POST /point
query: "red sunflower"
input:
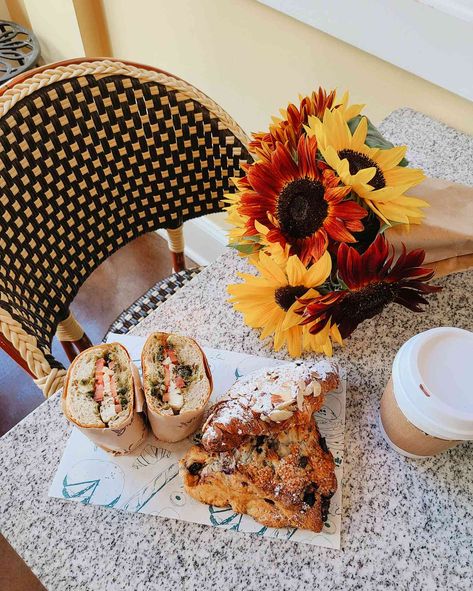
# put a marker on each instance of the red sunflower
(288, 130)
(299, 201)
(373, 281)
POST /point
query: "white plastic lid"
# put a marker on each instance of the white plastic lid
(433, 382)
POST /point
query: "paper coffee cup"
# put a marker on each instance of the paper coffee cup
(427, 406)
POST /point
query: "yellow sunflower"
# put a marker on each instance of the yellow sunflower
(373, 174)
(267, 300)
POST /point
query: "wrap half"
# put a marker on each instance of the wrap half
(102, 396)
(177, 385)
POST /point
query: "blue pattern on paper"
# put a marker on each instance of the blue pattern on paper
(146, 493)
(87, 486)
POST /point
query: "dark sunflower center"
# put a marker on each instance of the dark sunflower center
(301, 208)
(357, 162)
(366, 303)
(286, 296)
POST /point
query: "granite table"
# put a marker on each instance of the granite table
(406, 524)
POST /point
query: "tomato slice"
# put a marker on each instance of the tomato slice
(172, 355)
(98, 394)
(180, 383)
(98, 386)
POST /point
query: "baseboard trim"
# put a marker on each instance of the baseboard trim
(204, 240)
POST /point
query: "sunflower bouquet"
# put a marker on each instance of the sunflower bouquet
(310, 214)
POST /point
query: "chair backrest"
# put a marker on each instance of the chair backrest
(92, 155)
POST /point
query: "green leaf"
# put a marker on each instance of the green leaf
(374, 139)
(254, 238)
(244, 248)
(385, 227)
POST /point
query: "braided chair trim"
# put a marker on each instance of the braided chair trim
(49, 380)
(106, 68)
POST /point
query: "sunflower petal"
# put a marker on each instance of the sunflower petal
(402, 175)
(332, 159)
(294, 344)
(261, 229)
(387, 159)
(295, 271)
(319, 271)
(359, 137)
(271, 270)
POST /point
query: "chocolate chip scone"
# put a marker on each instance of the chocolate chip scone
(283, 477)
(285, 480)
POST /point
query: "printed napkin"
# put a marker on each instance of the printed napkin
(148, 481)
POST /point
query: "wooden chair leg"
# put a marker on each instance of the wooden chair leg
(72, 337)
(69, 349)
(178, 261)
(83, 343)
(73, 348)
(14, 354)
(176, 246)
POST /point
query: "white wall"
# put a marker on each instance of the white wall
(55, 25)
(253, 59)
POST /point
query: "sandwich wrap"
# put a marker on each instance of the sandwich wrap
(125, 432)
(167, 424)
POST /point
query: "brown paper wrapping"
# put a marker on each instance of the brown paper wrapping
(446, 232)
(127, 438)
(173, 428)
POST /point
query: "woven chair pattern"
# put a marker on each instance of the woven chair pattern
(93, 155)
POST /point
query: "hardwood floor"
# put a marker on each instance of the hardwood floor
(111, 288)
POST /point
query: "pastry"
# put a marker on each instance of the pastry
(274, 467)
(267, 401)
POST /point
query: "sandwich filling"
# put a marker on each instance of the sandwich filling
(99, 388)
(176, 377)
(105, 389)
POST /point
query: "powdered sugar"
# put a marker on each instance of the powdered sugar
(273, 393)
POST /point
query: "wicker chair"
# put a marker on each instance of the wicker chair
(94, 154)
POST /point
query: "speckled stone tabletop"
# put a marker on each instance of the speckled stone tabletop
(406, 524)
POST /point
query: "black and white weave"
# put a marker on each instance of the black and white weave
(89, 163)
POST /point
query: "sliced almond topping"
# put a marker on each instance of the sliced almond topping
(280, 415)
(309, 389)
(277, 399)
(300, 398)
(285, 404)
(317, 389)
